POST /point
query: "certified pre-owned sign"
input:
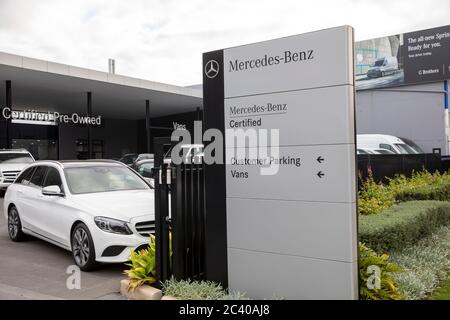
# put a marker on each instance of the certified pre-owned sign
(30, 116)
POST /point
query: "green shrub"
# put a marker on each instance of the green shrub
(443, 292)
(440, 191)
(198, 290)
(374, 197)
(417, 179)
(387, 288)
(425, 265)
(143, 266)
(403, 225)
(421, 186)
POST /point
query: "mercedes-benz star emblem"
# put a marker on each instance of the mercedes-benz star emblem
(212, 69)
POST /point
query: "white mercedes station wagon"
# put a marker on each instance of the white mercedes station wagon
(98, 210)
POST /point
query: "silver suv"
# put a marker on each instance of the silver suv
(12, 161)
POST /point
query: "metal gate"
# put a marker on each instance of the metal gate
(384, 166)
(179, 210)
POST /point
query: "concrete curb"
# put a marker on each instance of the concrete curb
(144, 292)
(168, 298)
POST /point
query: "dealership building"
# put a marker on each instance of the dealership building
(58, 111)
(401, 90)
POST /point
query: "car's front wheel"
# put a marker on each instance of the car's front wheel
(15, 225)
(83, 250)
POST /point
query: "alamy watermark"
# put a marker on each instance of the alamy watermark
(374, 280)
(73, 281)
(243, 147)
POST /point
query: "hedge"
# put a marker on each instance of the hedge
(439, 192)
(425, 265)
(443, 293)
(373, 198)
(403, 224)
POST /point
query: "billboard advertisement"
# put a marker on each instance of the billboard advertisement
(403, 59)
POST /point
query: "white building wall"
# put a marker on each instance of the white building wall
(415, 112)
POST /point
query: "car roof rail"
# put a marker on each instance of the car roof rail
(102, 160)
(43, 161)
(18, 149)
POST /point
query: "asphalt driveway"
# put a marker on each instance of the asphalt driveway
(35, 269)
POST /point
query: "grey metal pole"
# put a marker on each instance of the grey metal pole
(8, 105)
(147, 124)
(89, 127)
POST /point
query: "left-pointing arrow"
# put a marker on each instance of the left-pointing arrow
(320, 174)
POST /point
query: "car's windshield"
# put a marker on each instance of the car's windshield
(404, 148)
(412, 145)
(15, 158)
(416, 149)
(102, 179)
(379, 63)
(128, 159)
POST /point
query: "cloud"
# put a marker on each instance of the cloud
(163, 40)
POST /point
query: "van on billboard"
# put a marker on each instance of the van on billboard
(403, 59)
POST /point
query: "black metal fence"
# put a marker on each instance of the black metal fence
(445, 164)
(179, 210)
(180, 205)
(162, 179)
(384, 166)
(188, 220)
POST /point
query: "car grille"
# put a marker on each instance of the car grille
(10, 175)
(145, 228)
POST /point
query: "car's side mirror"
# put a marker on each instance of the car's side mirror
(52, 191)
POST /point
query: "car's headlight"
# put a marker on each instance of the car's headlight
(112, 225)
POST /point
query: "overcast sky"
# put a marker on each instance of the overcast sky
(162, 40)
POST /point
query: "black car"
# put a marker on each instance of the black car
(144, 167)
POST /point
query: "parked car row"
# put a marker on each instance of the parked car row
(366, 144)
(101, 210)
(385, 144)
